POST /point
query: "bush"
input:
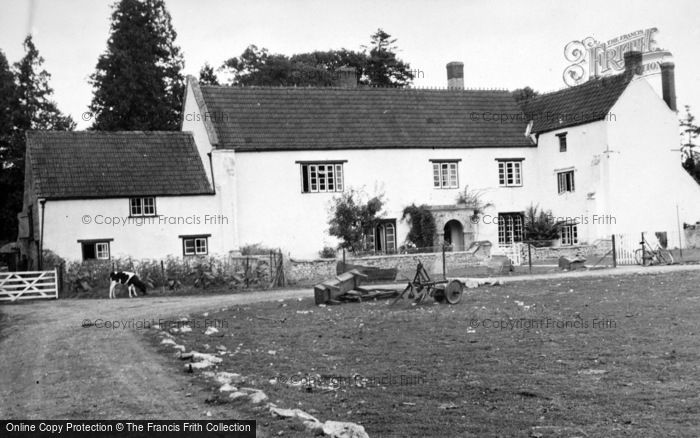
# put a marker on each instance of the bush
(540, 228)
(328, 252)
(256, 249)
(351, 217)
(422, 223)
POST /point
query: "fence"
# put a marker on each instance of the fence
(28, 285)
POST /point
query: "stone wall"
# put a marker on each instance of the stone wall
(309, 272)
(599, 248)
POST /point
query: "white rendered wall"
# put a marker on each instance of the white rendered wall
(277, 214)
(68, 221)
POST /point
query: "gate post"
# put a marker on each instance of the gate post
(614, 252)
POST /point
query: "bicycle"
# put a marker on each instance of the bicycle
(647, 256)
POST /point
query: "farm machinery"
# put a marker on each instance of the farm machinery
(346, 287)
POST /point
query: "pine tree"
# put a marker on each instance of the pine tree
(25, 103)
(138, 84)
(383, 67)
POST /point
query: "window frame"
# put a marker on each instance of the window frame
(515, 163)
(565, 184)
(443, 176)
(195, 239)
(563, 144)
(94, 243)
(141, 206)
(517, 227)
(332, 181)
(568, 235)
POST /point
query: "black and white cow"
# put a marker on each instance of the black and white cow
(129, 279)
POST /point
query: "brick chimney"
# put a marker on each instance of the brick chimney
(455, 75)
(633, 63)
(668, 84)
(346, 77)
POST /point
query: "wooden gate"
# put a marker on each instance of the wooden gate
(513, 252)
(625, 246)
(28, 285)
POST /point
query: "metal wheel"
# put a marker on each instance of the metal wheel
(453, 292)
(665, 256)
(643, 257)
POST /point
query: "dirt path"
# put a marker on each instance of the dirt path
(53, 368)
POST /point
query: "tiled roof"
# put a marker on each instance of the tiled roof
(94, 164)
(259, 119)
(585, 103)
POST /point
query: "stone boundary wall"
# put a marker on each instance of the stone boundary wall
(303, 272)
(599, 248)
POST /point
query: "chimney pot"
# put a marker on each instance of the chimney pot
(668, 84)
(455, 75)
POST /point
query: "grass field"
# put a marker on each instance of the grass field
(614, 356)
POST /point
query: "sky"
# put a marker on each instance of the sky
(503, 44)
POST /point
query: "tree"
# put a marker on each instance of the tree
(10, 175)
(207, 76)
(383, 66)
(524, 94)
(36, 110)
(380, 66)
(540, 227)
(138, 84)
(689, 156)
(351, 218)
(25, 103)
(422, 223)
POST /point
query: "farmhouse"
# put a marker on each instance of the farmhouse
(271, 160)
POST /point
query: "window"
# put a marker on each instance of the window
(565, 181)
(321, 177)
(95, 249)
(445, 174)
(142, 206)
(569, 235)
(195, 245)
(510, 173)
(510, 228)
(562, 142)
(383, 237)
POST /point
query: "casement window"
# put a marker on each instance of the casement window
(510, 173)
(195, 245)
(445, 174)
(142, 206)
(562, 142)
(321, 177)
(95, 249)
(510, 228)
(569, 235)
(565, 181)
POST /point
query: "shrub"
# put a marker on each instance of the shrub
(328, 252)
(540, 227)
(351, 217)
(256, 249)
(422, 223)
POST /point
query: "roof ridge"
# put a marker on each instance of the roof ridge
(51, 131)
(352, 89)
(589, 82)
